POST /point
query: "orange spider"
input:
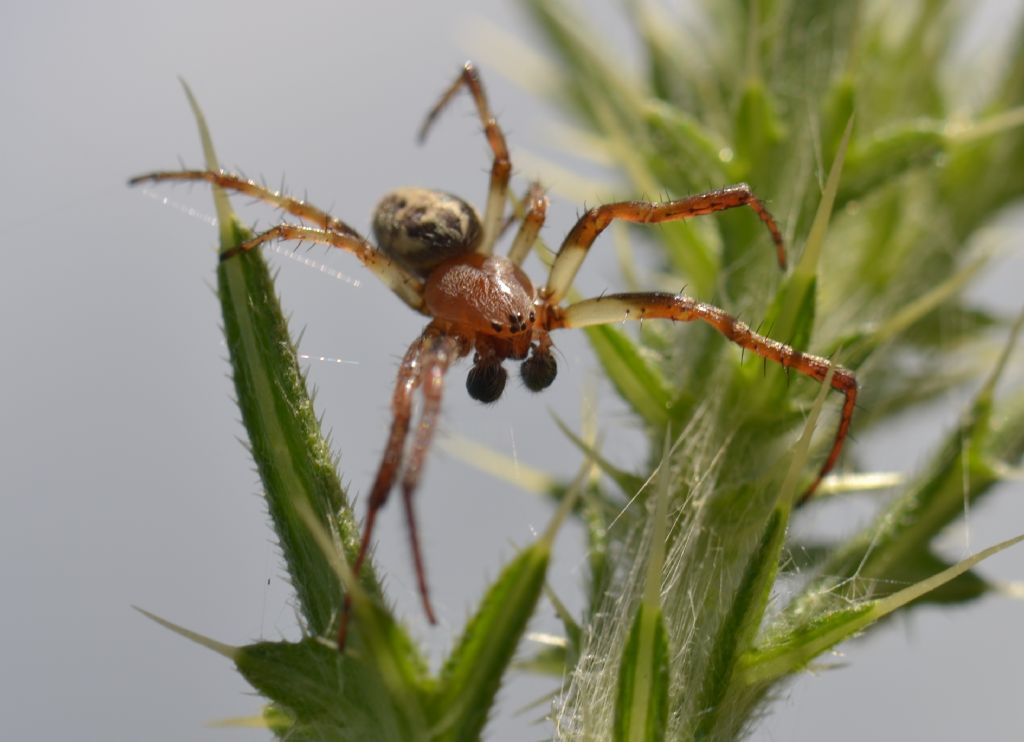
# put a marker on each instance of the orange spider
(434, 251)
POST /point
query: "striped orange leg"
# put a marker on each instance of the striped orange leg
(618, 307)
(390, 463)
(535, 204)
(439, 352)
(408, 287)
(501, 169)
(231, 182)
(329, 231)
(423, 367)
(590, 225)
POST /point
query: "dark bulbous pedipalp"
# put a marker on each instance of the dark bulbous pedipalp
(539, 370)
(486, 381)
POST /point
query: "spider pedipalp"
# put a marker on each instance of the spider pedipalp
(486, 380)
(538, 371)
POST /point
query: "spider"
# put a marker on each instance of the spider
(436, 253)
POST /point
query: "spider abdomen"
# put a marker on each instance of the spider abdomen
(481, 294)
(421, 228)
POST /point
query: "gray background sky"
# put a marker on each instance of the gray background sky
(123, 482)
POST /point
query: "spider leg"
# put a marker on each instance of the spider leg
(390, 463)
(501, 169)
(409, 374)
(238, 184)
(408, 287)
(590, 225)
(536, 205)
(333, 232)
(438, 354)
(618, 307)
(424, 365)
(519, 207)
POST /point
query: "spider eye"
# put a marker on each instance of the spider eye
(539, 370)
(486, 382)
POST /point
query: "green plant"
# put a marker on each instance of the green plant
(842, 115)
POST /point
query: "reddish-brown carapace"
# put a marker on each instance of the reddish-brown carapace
(436, 253)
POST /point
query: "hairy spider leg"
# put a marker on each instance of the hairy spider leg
(501, 169)
(423, 366)
(440, 351)
(590, 225)
(519, 207)
(536, 204)
(406, 286)
(232, 182)
(533, 191)
(390, 463)
(334, 233)
(638, 306)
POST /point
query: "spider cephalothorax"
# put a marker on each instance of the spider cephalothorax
(436, 253)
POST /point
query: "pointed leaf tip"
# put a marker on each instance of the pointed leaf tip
(225, 650)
